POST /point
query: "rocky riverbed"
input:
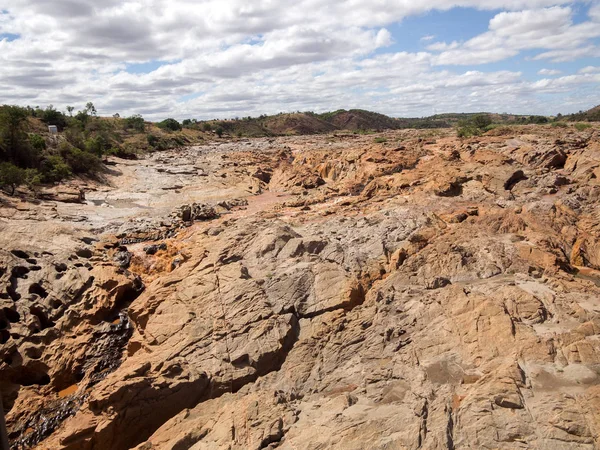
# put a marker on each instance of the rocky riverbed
(311, 292)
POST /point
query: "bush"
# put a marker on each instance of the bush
(189, 123)
(466, 129)
(135, 122)
(11, 176)
(482, 121)
(559, 125)
(474, 126)
(169, 124)
(538, 120)
(220, 131)
(582, 126)
(37, 142)
(152, 140)
(207, 127)
(97, 145)
(54, 168)
(78, 161)
(380, 140)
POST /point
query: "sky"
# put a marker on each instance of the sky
(228, 58)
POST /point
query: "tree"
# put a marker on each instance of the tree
(170, 124)
(219, 131)
(482, 121)
(70, 110)
(13, 138)
(11, 176)
(51, 116)
(117, 115)
(90, 109)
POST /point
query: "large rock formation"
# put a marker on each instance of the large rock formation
(425, 293)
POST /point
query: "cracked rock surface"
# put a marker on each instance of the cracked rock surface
(428, 292)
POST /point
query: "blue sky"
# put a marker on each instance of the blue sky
(231, 58)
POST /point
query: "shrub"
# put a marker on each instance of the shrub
(11, 176)
(467, 129)
(220, 131)
(75, 137)
(169, 124)
(539, 120)
(474, 126)
(482, 121)
(152, 140)
(135, 122)
(207, 127)
(97, 145)
(380, 140)
(78, 161)
(37, 142)
(54, 168)
(582, 126)
(559, 125)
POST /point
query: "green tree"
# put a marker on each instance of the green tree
(13, 138)
(482, 121)
(169, 124)
(70, 110)
(219, 131)
(51, 116)
(11, 176)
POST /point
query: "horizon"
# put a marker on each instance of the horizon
(242, 117)
(226, 59)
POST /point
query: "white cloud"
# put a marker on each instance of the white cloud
(590, 69)
(566, 55)
(549, 72)
(550, 29)
(235, 57)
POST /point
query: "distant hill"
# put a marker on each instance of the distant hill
(591, 115)
(359, 119)
(312, 123)
(355, 120)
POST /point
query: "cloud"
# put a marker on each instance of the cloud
(566, 55)
(549, 72)
(590, 69)
(551, 29)
(234, 57)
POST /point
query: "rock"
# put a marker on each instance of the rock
(190, 213)
(122, 258)
(62, 194)
(434, 297)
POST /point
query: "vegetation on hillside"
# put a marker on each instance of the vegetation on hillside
(30, 154)
(591, 115)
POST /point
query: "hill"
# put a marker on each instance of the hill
(591, 115)
(298, 123)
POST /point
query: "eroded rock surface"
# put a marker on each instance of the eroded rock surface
(430, 292)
